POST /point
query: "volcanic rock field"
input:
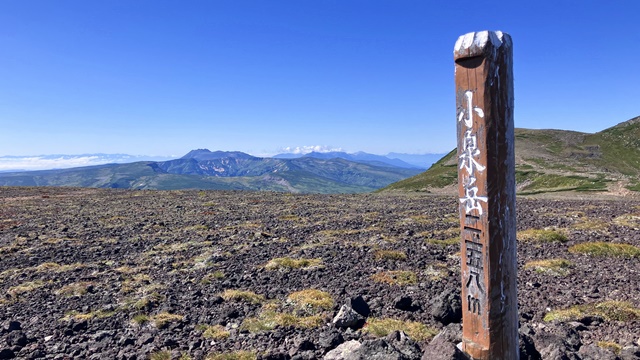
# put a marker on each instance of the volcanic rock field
(118, 274)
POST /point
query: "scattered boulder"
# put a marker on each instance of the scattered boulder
(10, 326)
(348, 318)
(359, 305)
(17, 338)
(330, 339)
(594, 352)
(7, 354)
(395, 346)
(343, 350)
(447, 307)
(444, 345)
(403, 302)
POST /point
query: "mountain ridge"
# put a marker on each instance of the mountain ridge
(550, 160)
(223, 171)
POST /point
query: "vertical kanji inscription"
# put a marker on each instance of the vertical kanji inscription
(486, 186)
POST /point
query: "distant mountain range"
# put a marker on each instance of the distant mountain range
(418, 161)
(204, 169)
(555, 161)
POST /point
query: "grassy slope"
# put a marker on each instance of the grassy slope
(555, 160)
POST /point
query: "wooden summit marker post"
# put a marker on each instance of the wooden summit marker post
(486, 185)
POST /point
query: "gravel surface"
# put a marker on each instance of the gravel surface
(111, 274)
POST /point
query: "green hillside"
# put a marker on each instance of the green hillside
(553, 161)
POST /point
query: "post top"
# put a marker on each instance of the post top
(480, 43)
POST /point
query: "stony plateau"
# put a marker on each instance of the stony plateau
(121, 274)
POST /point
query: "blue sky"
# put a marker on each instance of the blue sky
(164, 77)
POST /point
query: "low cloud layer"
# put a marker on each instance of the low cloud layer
(308, 149)
(46, 162)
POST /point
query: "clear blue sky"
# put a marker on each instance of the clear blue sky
(164, 77)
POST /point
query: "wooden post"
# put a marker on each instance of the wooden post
(486, 185)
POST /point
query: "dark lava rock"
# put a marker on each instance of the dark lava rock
(274, 355)
(10, 326)
(403, 302)
(348, 318)
(145, 339)
(444, 345)
(330, 339)
(7, 354)
(447, 307)
(17, 338)
(630, 353)
(77, 326)
(359, 305)
(395, 346)
(594, 352)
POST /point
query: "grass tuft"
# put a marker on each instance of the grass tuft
(242, 295)
(75, 289)
(25, 287)
(390, 255)
(396, 277)
(141, 319)
(609, 345)
(608, 310)
(606, 249)
(235, 355)
(384, 326)
(162, 320)
(541, 235)
(215, 332)
(160, 355)
(558, 267)
(311, 300)
(291, 263)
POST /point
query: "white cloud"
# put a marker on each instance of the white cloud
(309, 148)
(45, 162)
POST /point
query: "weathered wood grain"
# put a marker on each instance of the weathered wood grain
(486, 178)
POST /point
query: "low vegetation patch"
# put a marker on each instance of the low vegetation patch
(162, 320)
(383, 326)
(601, 248)
(210, 277)
(235, 355)
(311, 300)
(215, 332)
(436, 272)
(25, 287)
(141, 319)
(396, 277)
(98, 314)
(608, 310)
(291, 263)
(160, 355)
(610, 345)
(542, 235)
(75, 289)
(591, 225)
(558, 267)
(242, 295)
(628, 220)
(390, 255)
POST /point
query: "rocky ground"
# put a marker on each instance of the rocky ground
(109, 274)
